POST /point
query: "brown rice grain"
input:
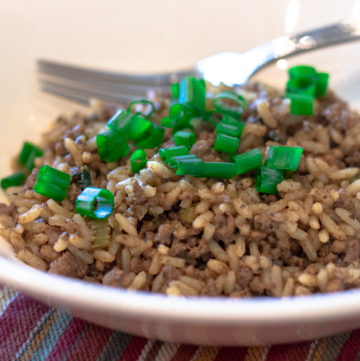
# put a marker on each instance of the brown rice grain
(217, 266)
(141, 247)
(229, 286)
(32, 260)
(277, 280)
(138, 282)
(217, 251)
(332, 227)
(56, 208)
(160, 169)
(155, 266)
(265, 114)
(74, 150)
(81, 255)
(288, 289)
(314, 222)
(233, 258)
(173, 261)
(62, 243)
(209, 230)
(242, 208)
(220, 283)
(322, 279)
(31, 215)
(349, 218)
(203, 219)
(195, 284)
(125, 224)
(324, 236)
(103, 256)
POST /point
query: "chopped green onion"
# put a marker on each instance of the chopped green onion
(82, 178)
(226, 144)
(95, 203)
(141, 103)
(28, 154)
(306, 86)
(131, 126)
(184, 138)
(13, 180)
(190, 167)
(112, 145)
(229, 130)
(322, 80)
(218, 170)
(175, 90)
(286, 158)
(301, 104)
(212, 118)
(138, 161)
(154, 139)
(192, 93)
(267, 179)
(168, 122)
(302, 71)
(173, 163)
(167, 153)
(230, 120)
(101, 231)
(234, 110)
(52, 183)
(247, 161)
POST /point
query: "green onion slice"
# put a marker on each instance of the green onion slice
(131, 126)
(150, 107)
(218, 170)
(227, 144)
(83, 178)
(229, 130)
(112, 145)
(286, 158)
(174, 161)
(190, 167)
(175, 90)
(13, 180)
(95, 203)
(28, 154)
(301, 104)
(232, 97)
(247, 161)
(306, 86)
(167, 153)
(52, 183)
(302, 71)
(101, 231)
(153, 140)
(138, 161)
(267, 179)
(192, 93)
(322, 80)
(184, 138)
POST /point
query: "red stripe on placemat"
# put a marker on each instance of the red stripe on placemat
(17, 322)
(91, 344)
(292, 352)
(350, 348)
(134, 349)
(67, 339)
(185, 353)
(231, 354)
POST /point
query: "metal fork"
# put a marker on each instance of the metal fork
(80, 84)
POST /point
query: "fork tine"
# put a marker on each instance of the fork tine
(82, 95)
(63, 70)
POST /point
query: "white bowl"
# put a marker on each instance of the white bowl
(24, 113)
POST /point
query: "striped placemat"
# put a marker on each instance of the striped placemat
(30, 330)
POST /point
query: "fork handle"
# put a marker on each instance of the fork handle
(286, 46)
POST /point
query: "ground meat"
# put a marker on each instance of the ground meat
(338, 247)
(257, 285)
(170, 273)
(7, 210)
(135, 264)
(211, 289)
(164, 234)
(74, 191)
(53, 234)
(353, 160)
(335, 286)
(68, 266)
(177, 248)
(227, 231)
(139, 197)
(48, 254)
(243, 277)
(331, 257)
(352, 251)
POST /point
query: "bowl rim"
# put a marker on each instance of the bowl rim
(253, 311)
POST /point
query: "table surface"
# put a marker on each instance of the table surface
(32, 331)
